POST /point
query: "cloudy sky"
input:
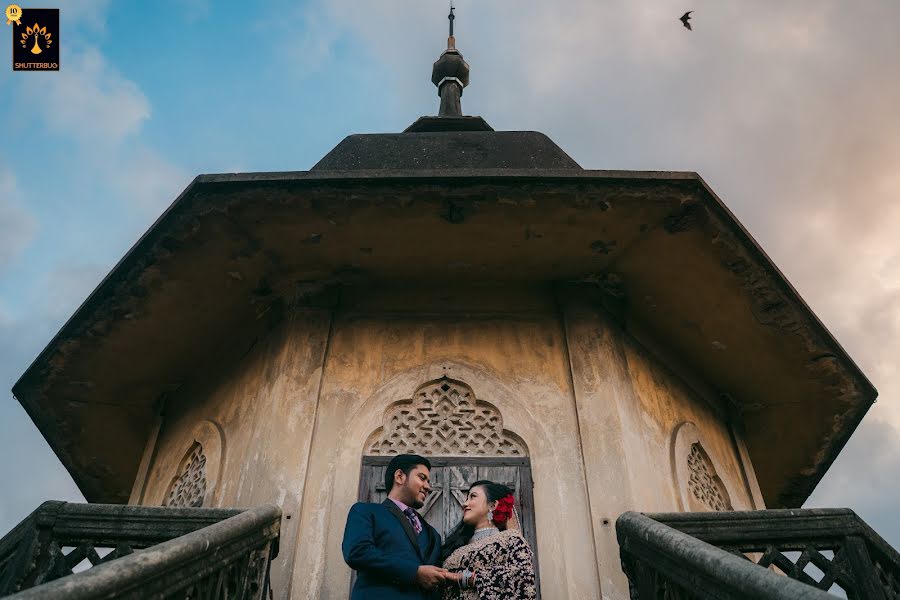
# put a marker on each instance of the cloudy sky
(790, 110)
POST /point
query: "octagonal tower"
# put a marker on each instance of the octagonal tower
(602, 341)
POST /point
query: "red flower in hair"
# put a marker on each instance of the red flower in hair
(504, 509)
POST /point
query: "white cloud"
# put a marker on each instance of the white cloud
(787, 109)
(193, 10)
(88, 100)
(17, 224)
(90, 13)
(146, 180)
(103, 112)
(36, 474)
(863, 477)
(307, 48)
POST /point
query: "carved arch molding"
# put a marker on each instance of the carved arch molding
(465, 441)
(696, 473)
(196, 475)
(443, 418)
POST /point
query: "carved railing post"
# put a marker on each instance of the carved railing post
(865, 580)
(23, 560)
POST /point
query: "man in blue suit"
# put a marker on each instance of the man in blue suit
(393, 550)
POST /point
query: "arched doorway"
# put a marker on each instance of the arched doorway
(465, 441)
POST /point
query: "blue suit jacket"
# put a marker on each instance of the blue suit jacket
(381, 545)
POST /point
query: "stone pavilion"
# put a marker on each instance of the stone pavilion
(603, 341)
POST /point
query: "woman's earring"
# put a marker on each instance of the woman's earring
(490, 515)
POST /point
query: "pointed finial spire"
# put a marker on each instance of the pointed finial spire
(450, 74)
(451, 41)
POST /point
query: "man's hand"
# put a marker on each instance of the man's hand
(428, 576)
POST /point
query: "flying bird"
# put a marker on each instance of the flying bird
(685, 18)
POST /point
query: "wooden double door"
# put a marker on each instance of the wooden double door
(451, 478)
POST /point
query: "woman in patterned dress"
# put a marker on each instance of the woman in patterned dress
(486, 553)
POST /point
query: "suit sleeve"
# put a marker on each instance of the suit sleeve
(361, 553)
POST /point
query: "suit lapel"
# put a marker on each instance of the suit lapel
(404, 521)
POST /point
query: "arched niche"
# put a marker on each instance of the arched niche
(195, 478)
(465, 441)
(696, 472)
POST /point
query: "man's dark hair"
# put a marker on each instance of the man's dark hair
(406, 462)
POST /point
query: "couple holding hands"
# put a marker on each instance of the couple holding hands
(398, 555)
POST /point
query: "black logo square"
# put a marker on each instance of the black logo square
(36, 40)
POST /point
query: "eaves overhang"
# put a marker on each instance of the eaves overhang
(215, 266)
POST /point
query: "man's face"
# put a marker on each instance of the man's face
(414, 487)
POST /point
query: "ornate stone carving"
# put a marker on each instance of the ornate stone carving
(444, 419)
(696, 473)
(705, 486)
(189, 487)
(174, 469)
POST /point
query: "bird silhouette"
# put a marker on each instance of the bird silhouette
(685, 18)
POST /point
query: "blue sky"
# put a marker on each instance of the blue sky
(787, 109)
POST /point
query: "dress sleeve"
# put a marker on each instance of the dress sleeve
(511, 575)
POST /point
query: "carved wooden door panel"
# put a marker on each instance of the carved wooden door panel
(451, 478)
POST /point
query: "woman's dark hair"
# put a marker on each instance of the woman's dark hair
(405, 462)
(462, 533)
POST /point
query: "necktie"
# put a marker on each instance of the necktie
(413, 520)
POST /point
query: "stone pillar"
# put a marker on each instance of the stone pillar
(451, 103)
(607, 406)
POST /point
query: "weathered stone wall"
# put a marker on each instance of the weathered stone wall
(265, 409)
(632, 402)
(510, 349)
(665, 402)
(596, 410)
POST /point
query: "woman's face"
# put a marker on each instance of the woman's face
(476, 506)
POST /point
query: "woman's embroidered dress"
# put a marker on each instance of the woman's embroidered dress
(503, 566)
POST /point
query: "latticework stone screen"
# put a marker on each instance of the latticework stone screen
(444, 419)
(189, 487)
(703, 483)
